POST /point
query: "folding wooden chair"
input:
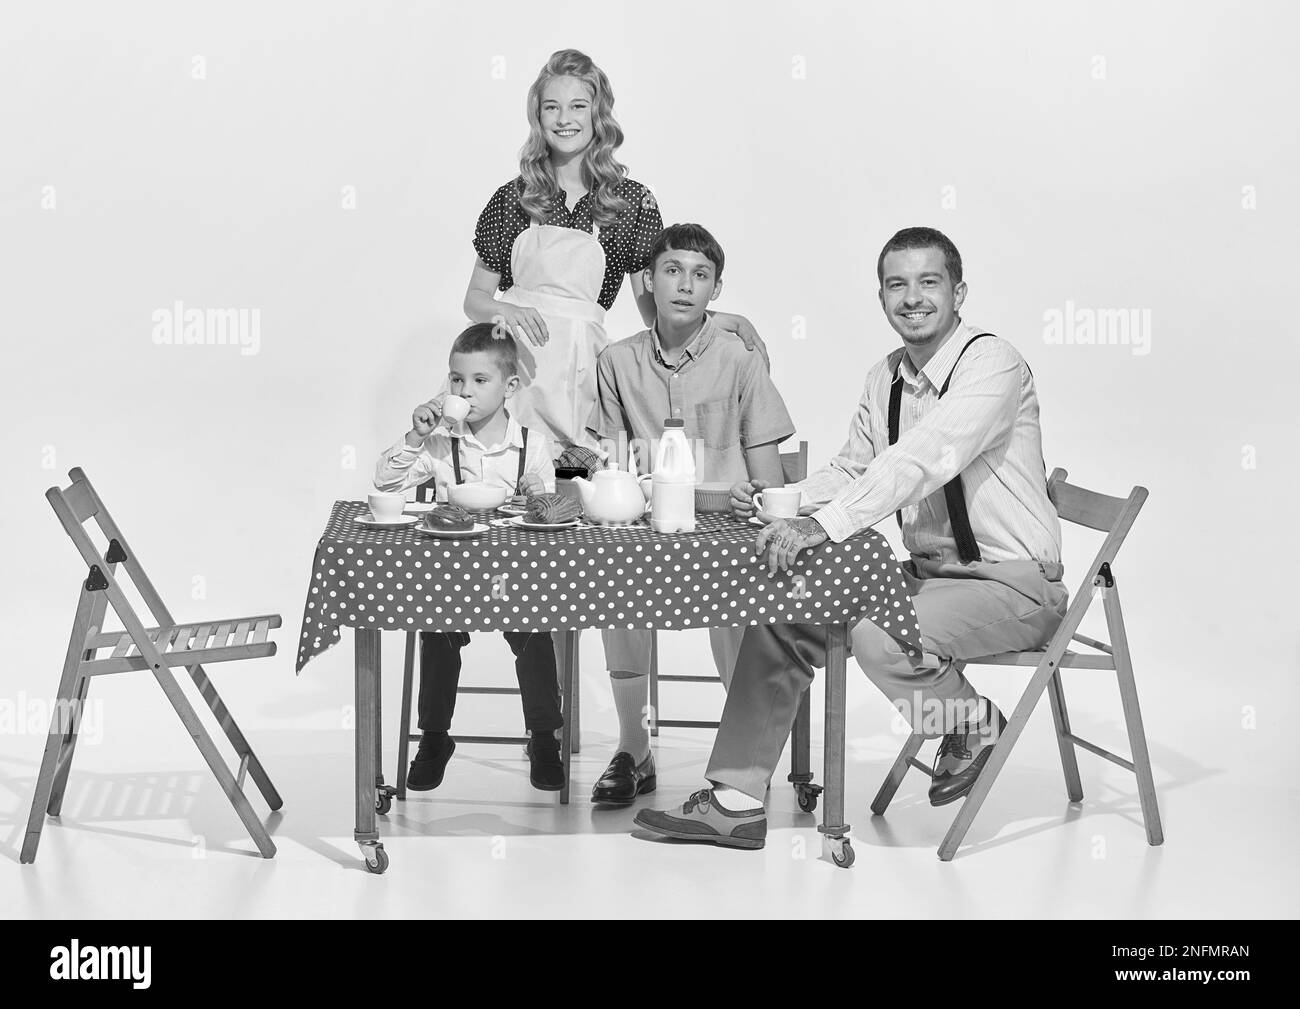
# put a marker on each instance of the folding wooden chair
(1114, 517)
(568, 704)
(136, 647)
(794, 466)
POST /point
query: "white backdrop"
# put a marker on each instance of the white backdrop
(323, 164)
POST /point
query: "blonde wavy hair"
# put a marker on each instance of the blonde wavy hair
(600, 171)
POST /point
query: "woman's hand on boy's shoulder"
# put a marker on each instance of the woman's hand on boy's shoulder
(743, 328)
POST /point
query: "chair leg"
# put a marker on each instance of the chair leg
(236, 737)
(1001, 751)
(87, 606)
(896, 774)
(1069, 759)
(215, 762)
(654, 684)
(1137, 738)
(69, 745)
(568, 694)
(404, 737)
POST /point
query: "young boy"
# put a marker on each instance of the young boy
(488, 446)
(684, 367)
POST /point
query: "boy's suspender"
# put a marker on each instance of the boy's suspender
(523, 454)
(953, 491)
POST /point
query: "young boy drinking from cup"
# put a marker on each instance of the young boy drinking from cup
(487, 445)
(683, 367)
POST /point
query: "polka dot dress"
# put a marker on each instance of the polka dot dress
(626, 242)
(510, 579)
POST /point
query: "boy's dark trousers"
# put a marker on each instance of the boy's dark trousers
(534, 668)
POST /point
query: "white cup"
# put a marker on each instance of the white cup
(386, 507)
(779, 502)
(455, 408)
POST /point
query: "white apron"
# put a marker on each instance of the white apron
(559, 272)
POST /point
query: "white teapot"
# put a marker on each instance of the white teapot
(613, 496)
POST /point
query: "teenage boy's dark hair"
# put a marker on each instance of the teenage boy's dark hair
(688, 238)
(922, 238)
(484, 336)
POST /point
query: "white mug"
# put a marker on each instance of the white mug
(779, 502)
(386, 507)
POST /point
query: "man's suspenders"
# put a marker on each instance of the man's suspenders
(953, 492)
(523, 454)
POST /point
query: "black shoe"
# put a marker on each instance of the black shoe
(962, 755)
(545, 769)
(430, 762)
(624, 780)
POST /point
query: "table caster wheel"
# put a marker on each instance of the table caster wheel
(383, 803)
(376, 858)
(841, 851)
(807, 796)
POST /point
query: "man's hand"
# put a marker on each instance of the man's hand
(782, 541)
(742, 497)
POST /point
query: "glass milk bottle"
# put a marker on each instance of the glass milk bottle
(672, 482)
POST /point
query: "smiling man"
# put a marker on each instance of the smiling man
(946, 436)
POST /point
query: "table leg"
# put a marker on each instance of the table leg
(568, 695)
(833, 827)
(367, 749)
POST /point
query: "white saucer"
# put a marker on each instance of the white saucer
(453, 534)
(419, 507)
(521, 522)
(374, 523)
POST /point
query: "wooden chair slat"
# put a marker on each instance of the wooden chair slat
(124, 643)
(81, 501)
(260, 631)
(241, 633)
(1086, 507)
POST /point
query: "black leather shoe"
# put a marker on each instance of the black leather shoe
(962, 755)
(545, 769)
(430, 762)
(624, 780)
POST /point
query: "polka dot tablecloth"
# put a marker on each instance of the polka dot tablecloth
(510, 579)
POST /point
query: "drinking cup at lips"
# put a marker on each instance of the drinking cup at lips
(455, 408)
(778, 502)
(386, 507)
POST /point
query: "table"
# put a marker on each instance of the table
(512, 579)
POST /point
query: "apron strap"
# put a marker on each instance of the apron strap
(455, 459)
(954, 494)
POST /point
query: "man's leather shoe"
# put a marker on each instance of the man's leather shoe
(545, 769)
(624, 779)
(700, 818)
(962, 755)
(430, 762)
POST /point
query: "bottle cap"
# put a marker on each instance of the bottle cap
(674, 422)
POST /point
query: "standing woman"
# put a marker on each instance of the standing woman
(557, 241)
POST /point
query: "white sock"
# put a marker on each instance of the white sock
(631, 697)
(734, 799)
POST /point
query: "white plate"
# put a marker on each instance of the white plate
(453, 534)
(374, 523)
(509, 509)
(543, 527)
